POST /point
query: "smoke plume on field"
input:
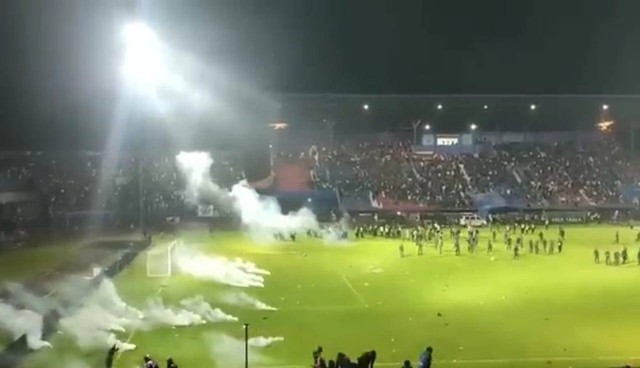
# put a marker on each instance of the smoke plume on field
(20, 322)
(227, 351)
(220, 269)
(198, 305)
(261, 215)
(158, 313)
(264, 341)
(242, 299)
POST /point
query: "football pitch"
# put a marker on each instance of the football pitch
(475, 310)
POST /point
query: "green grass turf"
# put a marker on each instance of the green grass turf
(23, 263)
(539, 311)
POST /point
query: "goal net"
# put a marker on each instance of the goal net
(160, 259)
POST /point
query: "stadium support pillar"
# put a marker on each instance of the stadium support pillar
(632, 136)
(246, 345)
(330, 124)
(140, 194)
(415, 124)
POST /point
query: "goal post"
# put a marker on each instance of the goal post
(160, 259)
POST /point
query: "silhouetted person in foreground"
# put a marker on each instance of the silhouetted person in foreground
(426, 357)
(171, 363)
(150, 363)
(407, 364)
(108, 362)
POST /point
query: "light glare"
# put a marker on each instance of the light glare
(143, 64)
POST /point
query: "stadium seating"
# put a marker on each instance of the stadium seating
(366, 174)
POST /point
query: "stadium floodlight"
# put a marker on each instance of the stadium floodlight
(144, 63)
(473, 126)
(605, 107)
(365, 107)
(532, 107)
(486, 107)
(427, 127)
(439, 106)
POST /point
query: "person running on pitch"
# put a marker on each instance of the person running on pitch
(490, 249)
(401, 249)
(596, 256)
(607, 258)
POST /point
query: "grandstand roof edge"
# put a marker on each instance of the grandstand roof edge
(462, 95)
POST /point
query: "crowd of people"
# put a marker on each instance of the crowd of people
(569, 173)
(365, 360)
(563, 174)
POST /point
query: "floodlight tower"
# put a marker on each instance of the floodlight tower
(144, 71)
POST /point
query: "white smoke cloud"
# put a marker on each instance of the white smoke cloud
(227, 351)
(102, 314)
(264, 341)
(245, 300)
(157, 313)
(220, 269)
(198, 305)
(261, 215)
(195, 166)
(20, 322)
(20, 296)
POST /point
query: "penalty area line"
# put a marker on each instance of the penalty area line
(494, 361)
(355, 292)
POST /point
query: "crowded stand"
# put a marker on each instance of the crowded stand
(382, 173)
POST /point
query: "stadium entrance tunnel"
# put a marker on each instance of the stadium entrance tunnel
(16, 352)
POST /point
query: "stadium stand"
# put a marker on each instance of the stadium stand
(364, 175)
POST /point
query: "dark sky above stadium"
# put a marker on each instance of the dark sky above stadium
(60, 57)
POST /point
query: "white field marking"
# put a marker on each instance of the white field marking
(504, 360)
(355, 292)
(133, 332)
(50, 293)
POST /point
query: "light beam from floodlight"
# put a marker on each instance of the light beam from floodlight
(532, 107)
(365, 107)
(473, 126)
(143, 65)
(485, 107)
(605, 107)
(427, 127)
(439, 106)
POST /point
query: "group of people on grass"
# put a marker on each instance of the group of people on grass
(421, 234)
(366, 360)
(147, 360)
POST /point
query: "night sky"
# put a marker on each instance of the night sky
(59, 62)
